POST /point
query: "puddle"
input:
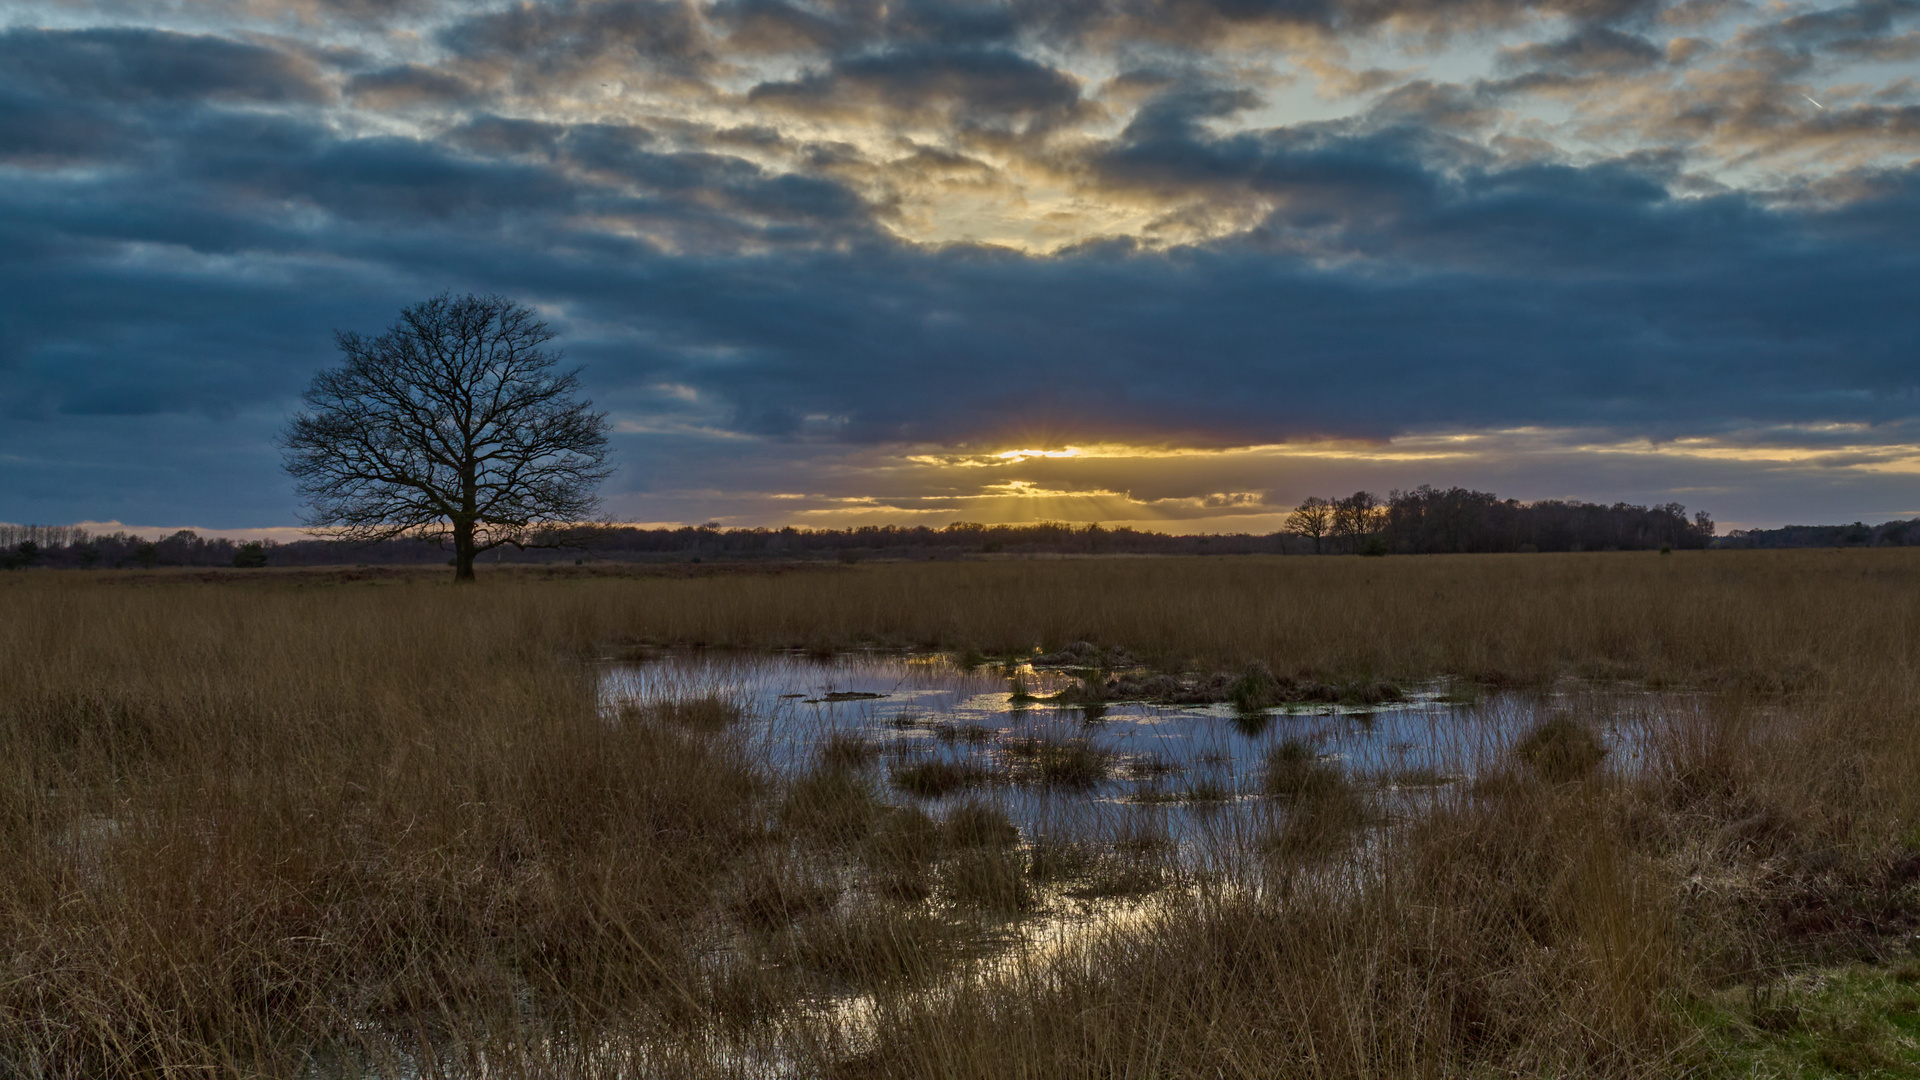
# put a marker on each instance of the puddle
(1192, 774)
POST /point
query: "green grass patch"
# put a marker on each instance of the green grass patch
(1860, 1021)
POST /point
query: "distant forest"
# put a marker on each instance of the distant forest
(1419, 521)
(1425, 520)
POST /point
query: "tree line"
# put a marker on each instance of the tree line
(1895, 533)
(1425, 520)
(1428, 520)
(71, 547)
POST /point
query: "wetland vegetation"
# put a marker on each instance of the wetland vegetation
(1542, 815)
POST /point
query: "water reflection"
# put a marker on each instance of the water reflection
(946, 733)
(1125, 811)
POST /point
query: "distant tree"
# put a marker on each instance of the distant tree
(1356, 517)
(147, 554)
(1312, 518)
(251, 555)
(454, 424)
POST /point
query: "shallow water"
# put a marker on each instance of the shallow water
(1188, 773)
(1180, 789)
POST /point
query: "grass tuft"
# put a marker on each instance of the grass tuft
(932, 778)
(1074, 764)
(848, 750)
(831, 805)
(979, 824)
(1561, 750)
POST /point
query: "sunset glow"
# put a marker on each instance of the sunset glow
(1173, 264)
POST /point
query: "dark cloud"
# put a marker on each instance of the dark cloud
(546, 44)
(715, 244)
(777, 26)
(135, 66)
(987, 89)
(1229, 344)
(1232, 22)
(1542, 296)
(1590, 49)
(1343, 183)
(409, 85)
(76, 96)
(505, 135)
(1839, 25)
(37, 130)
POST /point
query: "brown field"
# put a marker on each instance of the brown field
(368, 823)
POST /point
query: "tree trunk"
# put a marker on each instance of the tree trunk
(463, 551)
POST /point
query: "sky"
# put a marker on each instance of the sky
(826, 262)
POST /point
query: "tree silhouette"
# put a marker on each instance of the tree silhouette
(1312, 518)
(454, 424)
(1356, 517)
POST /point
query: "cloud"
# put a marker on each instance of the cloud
(774, 26)
(546, 46)
(131, 66)
(984, 90)
(74, 96)
(408, 86)
(1333, 224)
(1589, 49)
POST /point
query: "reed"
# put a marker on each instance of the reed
(295, 825)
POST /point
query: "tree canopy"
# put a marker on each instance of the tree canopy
(455, 424)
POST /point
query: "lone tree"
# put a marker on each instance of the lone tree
(454, 424)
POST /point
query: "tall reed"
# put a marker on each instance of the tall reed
(274, 825)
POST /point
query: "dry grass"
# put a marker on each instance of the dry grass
(292, 825)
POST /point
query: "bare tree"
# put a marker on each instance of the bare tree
(1312, 518)
(454, 424)
(1356, 517)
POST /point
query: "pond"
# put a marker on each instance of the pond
(942, 734)
(1103, 813)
